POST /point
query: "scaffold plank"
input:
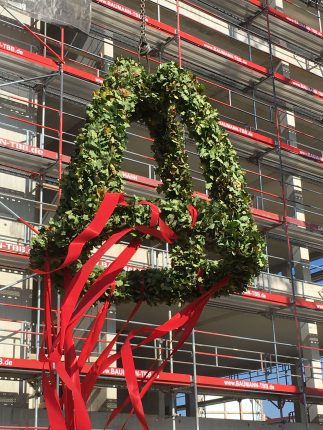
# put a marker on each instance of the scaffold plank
(20, 366)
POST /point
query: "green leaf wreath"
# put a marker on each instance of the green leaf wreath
(165, 102)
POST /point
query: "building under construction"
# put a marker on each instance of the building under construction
(254, 358)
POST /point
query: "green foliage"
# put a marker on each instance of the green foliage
(164, 101)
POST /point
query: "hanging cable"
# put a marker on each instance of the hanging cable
(143, 47)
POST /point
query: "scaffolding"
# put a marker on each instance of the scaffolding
(264, 75)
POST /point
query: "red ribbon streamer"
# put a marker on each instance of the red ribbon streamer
(92, 231)
(55, 415)
(186, 320)
(94, 334)
(60, 345)
(193, 213)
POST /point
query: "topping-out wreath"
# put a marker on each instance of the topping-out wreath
(171, 104)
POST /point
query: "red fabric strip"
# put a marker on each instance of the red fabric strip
(66, 401)
(81, 416)
(165, 233)
(193, 213)
(104, 360)
(93, 336)
(75, 402)
(77, 284)
(132, 383)
(104, 280)
(55, 415)
(95, 227)
(187, 319)
(154, 214)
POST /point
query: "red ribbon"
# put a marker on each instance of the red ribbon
(60, 345)
(92, 231)
(94, 334)
(105, 360)
(193, 213)
(54, 412)
(184, 320)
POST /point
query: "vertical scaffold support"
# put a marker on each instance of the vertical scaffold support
(285, 214)
(61, 116)
(197, 418)
(178, 31)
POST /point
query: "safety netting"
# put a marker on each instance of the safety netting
(76, 13)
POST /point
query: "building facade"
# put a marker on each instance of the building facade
(252, 358)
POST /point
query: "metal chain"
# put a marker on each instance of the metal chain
(143, 18)
(143, 46)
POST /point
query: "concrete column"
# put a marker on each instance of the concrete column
(107, 50)
(286, 116)
(309, 339)
(312, 367)
(278, 4)
(287, 126)
(300, 254)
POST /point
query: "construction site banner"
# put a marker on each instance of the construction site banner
(73, 13)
